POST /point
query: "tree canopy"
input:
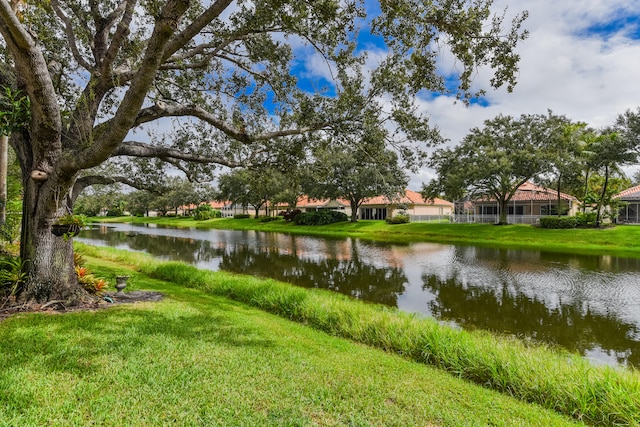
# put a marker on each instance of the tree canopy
(355, 174)
(494, 161)
(101, 74)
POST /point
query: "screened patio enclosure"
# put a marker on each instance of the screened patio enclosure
(630, 213)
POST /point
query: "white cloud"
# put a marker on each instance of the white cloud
(584, 75)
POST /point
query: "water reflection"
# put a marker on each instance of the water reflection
(572, 325)
(588, 304)
(348, 275)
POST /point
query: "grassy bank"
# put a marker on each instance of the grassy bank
(551, 378)
(620, 240)
(198, 358)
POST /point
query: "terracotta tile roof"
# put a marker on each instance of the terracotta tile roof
(410, 197)
(632, 193)
(213, 204)
(307, 202)
(531, 192)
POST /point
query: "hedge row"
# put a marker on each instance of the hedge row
(321, 217)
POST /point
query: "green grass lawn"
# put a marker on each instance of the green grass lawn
(621, 240)
(197, 358)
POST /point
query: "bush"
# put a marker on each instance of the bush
(92, 284)
(87, 211)
(241, 216)
(321, 217)
(205, 212)
(399, 219)
(290, 215)
(11, 274)
(558, 222)
(115, 212)
(587, 219)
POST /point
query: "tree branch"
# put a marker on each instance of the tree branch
(105, 142)
(203, 49)
(162, 109)
(32, 67)
(141, 149)
(181, 39)
(87, 181)
(68, 30)
(126, 9)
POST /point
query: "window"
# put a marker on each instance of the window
(489, 210)
(519, 210)
(373, 213)
(553, 210)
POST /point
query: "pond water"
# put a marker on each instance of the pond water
(588, 304)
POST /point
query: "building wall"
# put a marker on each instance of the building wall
(383, 211)
(535, 208)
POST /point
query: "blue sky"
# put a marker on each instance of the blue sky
(582, 59)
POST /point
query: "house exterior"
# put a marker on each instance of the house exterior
(307, 204)
(188, 209)
(375, 208)
(411, 203)
(528, 204)
(630, 213)
(381, 207)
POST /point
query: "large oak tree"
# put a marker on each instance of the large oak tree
(99, 72)
(494, 161)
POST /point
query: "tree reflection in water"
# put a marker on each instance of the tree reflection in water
(587, 304)
(348, 276)
(504, 305)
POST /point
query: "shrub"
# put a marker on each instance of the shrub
(87, 211)
(241, 216)
(10, 229)
(92, 284)
(399, 219)
(11, 274)
(115, 212)
(205, 212)
(558, 222)
(290, 215)
(321, 217)
(587, 219)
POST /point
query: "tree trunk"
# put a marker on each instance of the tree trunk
(4, 155)
(586, 192)
(354, 211)
(602, 196)
(49, 258)
(558, 194)
(503, 207)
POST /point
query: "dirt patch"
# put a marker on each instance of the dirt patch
(109, 299)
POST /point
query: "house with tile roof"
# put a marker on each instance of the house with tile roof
(630, 213)
(411, 202)
(527, 205)
(381, 207)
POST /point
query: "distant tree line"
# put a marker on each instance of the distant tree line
(552, 150)
(349, 172)
(493, 161)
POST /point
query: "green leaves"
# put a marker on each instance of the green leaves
(15, 110)
(419, 32)
(495, 160)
